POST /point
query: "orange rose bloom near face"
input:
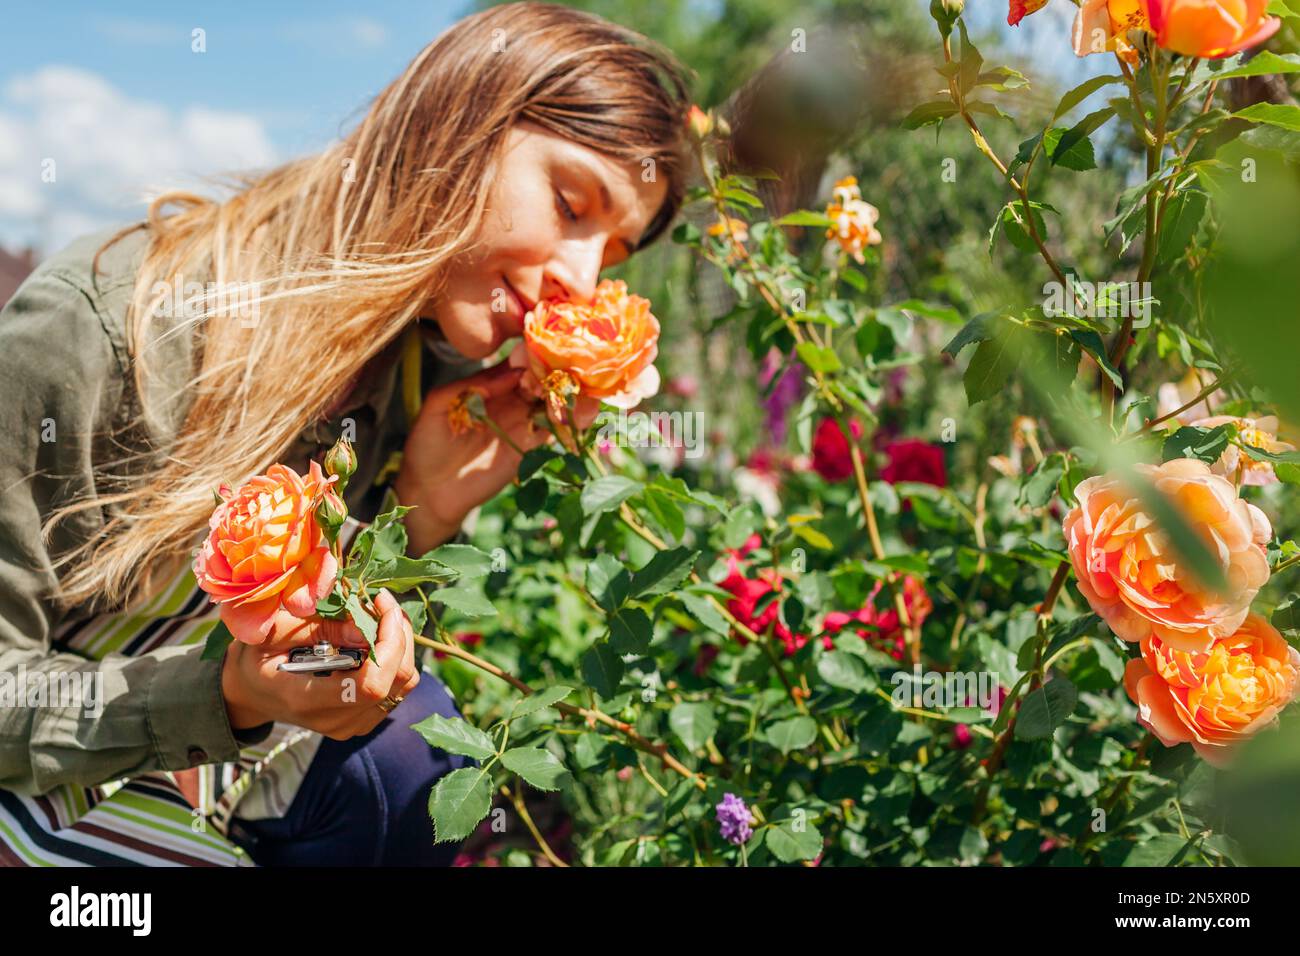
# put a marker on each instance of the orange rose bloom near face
(266, 551)
(1209, 28)
(1130, 575)
(607, 348)
(1216, 698)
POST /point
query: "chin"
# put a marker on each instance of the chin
(471, 336)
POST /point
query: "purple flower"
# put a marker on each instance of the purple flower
(785, 393)
(733, 819)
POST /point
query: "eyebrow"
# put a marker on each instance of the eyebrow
(607, 203)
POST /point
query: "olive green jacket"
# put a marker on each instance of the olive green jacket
(69, 392)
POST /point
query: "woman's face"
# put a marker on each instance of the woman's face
(558, 214)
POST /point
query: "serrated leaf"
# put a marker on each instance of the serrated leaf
(602, 669)
(664, 572)
(607, 493)
(460, 800)
(468, 601)
(1045, 709)
(542, 699)
(846, 670)
(466, 560)
(539, 767)
(456, 736)
(365, 623)
(630, 631)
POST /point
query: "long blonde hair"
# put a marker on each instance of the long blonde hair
(342, 249)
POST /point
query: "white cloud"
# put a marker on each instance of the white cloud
(108, 152)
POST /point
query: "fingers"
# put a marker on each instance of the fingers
(394, 649)
(499, 380)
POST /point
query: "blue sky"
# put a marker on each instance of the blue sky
(101, 104)
(118, 99)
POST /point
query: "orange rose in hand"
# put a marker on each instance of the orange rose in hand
(1209, 28)
(1216, 698)
(1129, 573)
(607, 348)
(266, 551)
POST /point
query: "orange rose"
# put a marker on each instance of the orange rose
(1103, 26)
(1017, 10)
(853, 221)
(1216, 698)
(1209, 28)
(1258, 433)
(607, 347)
(1129, 573)
(266, 551)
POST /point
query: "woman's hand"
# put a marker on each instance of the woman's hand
(444, 476)
(256, 691)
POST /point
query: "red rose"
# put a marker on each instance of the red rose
(830, 450)
(915, 460)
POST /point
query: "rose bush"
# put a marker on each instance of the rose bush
(967, 575)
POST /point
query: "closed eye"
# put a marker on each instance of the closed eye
(565, 209)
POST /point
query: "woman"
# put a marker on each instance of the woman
(523, 151)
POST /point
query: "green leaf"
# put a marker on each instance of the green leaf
(791, 845)
(1181, 218)
(978, 329)
(693, 723)
(464, 559)
(989, 369)
(365, 623)
(664, 572)
(1159, 850)
(468, 601)
(1091, 343)
(538, 766)
(534, 459)
(1081, 92)
(1263, 63)
(456, 736)
(402, 573)
(1274, 114)
(927, 113)
(630, 631)
(219, 638)
(819, 359)
(1037, 490)
(703, 610)
(543, 698)
(607, 493)
(794, 733)
(803, 217)
(1203, 444)
(602, 669)
(608, 581)
(846, 670)
(460, 800)
(531, 496)
(1045, 709)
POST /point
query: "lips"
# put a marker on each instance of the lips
(520, 307)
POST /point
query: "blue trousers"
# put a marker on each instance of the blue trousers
(364, 801)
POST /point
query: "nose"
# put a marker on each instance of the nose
(574, 270)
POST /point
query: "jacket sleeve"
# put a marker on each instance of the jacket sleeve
(64, 376)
